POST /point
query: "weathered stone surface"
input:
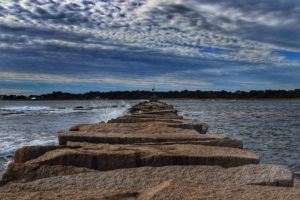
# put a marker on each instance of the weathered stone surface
(128, 133)
(111, 138)
(145, 119)
(108, 157)
(142, 116)
(149, 141)
(297, 183)
(78, 127)
(172, 190)
(136, 180)
(126, 128)
(143, 128)
(26, 153)
(21, 172)
(200, 127)
(168, 190)
(146, 106)
(89, 194)
(156, 114)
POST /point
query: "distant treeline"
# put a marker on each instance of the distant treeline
(185, 94)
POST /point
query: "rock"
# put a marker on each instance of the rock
(128, 133)
(157, 112)
(150, 112)
(135, 181)
(200, 127)
(145, 119)
(89, 194)
(107, 157)
(78, 127)
(153, 116)
(26, 153)
(140, 128)
(148, 106)
(78, 108)
(297, 183)
(82, 108)
(21, 172)
(169, 190)
(172, 190)
(138, 140)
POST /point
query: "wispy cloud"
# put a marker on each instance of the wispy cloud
(163, 82)
(15, 91)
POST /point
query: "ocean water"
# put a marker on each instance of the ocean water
(270, 128)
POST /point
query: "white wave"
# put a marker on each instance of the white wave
(41, 142)
(234, 135)
(115, 113)
(62, 111)
(8, 148)
(25, 108)
(8, 161)
(110, 113)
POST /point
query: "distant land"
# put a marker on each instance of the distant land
(185, 94)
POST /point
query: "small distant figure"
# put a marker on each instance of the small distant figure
(154, 97)
(153, 89)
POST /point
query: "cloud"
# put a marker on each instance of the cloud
(163, 82)
(149, 38)
(6, 91)
(179, 27)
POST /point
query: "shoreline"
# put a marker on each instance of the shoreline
(139, 95)
(204, 99)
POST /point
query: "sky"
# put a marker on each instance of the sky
(102, 45)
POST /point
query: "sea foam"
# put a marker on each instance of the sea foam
(25, 108)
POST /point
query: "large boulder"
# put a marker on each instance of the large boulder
(201, 128)
(129, 119)
(172, 190)
(107, 157)
(138, 182)
(271, 175)
(169, 190)
(148, 106)
(23, 172)
(126, 127)
(26, 153)
(129, 133)
(112, 138)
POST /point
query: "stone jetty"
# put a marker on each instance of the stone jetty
(150, 153)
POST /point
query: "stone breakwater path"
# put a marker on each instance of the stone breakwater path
(150, 153)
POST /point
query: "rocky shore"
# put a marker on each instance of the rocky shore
(149, 153)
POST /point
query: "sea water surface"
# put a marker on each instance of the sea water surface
(270, 128)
